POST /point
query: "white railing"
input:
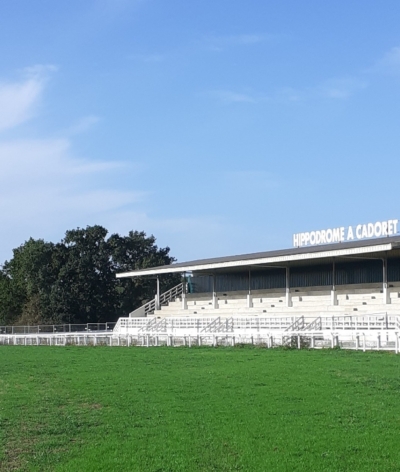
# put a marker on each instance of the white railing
(166, 297)
(358, 340)
(192, 324)
(60, 328)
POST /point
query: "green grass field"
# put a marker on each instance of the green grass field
(201, 409)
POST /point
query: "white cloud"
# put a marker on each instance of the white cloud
(341, 88)
(44, 187)
(219, 43)
(41, 177)
(331, 89)
(82, 125)
(18, 100)
(389, 63)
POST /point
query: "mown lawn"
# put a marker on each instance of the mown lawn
(201, 409)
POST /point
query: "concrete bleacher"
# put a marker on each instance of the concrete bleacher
(351, 300)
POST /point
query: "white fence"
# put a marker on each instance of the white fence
(358, 340)
(253, 325)
(61, 328)
(380, 332)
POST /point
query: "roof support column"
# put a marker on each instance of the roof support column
(333, 291)
(249, 296)
(385, 291)
(214, 296)
(157, 297)
(288, 294)
(184, 290)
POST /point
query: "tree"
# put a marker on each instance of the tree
(133, 252)
(27, 279)
(74, 281)
(85, 289)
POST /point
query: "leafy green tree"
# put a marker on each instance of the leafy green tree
(27, 279)
(74, 281)
(133, 252)
(85, 289)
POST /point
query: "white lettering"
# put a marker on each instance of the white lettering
(340, 234)
(390, 229)
(378, 229)
(364, 232)
(350, 234)
(336, 235)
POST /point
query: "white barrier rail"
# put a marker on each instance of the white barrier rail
(196, 325)
(58, 328)
(358, 340)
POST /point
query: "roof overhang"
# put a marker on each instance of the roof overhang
(268, 259)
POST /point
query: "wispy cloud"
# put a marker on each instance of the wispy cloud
(82, 125)
(19, 100)
(219, 43)
(331, 89)
(389, 63)
(228, 96)
(341, 88)
(44, 187)
(150, 58)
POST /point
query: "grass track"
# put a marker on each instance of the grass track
(201, 409)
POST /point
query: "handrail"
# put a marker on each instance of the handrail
(297, 325)
(149, 308)
(314, 325)
(60, 328)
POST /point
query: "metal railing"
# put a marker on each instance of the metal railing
(166, 297)
(61, 328)
(257, 324)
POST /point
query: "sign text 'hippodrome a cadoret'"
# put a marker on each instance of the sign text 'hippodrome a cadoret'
(341, 234)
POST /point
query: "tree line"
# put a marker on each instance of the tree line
(74, 281)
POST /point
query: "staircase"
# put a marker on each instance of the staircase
(166, 297)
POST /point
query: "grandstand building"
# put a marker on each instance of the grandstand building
(355, 277)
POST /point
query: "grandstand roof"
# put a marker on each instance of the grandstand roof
(367, 248)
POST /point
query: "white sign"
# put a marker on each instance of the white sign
(341, 234)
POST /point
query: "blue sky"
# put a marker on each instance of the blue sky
(219, 126)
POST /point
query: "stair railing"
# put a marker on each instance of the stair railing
(166, 297)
